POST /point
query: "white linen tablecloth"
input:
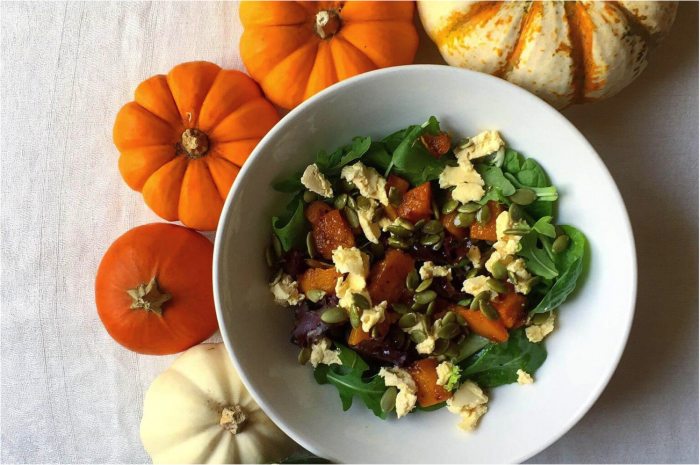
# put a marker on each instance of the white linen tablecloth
(71, 394)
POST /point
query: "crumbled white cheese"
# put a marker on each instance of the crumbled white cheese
(474, 255)
(469, 401)
(428, 345)
(346, 287)
(370, 229)
(519, 271)
(406, 398)
(351, 260)
(370, 183)
(466, 193)
(507, 244)
(466, 181)
(444, 370)
(476, 285)
(537, 332)
(524, 378)
(385, 222)
(321, 353)
(430, 270)
(372, 316)
(481, 145)
(497, 256)
(286, 292)
(316, 182)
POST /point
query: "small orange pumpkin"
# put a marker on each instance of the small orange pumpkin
(297, 49)
(185, 136)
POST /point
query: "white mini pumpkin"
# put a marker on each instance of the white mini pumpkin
(199, 411)
(564, 52)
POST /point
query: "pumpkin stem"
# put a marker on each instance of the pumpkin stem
(149, 297)
(195, 142)
(327, 24)
(233, 419)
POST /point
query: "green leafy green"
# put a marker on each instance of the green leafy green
(430, 408)
(544, 226)
(289, 185)
(513, 161)
(529, 174)
(347, 378)
(498, 364)
(498, 185)
(411, 160)
(377, 157)
(538, 258)
(471, 344)
(360, 146)
(293, 231)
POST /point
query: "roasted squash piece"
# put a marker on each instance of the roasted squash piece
(449, 224)
(387, 279)
(318, 278)
(479, 324)
(417, 203)
(437, 145)
(402, 185)
(511, 308)
(425, 376)
(487, 232)
(316, 210)
(331, 232)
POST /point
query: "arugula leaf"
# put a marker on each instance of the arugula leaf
(347, 378)
(293, 231)
(290, 184)
(377, 157)
(544, 226)
(471, 344)
(570, 264)
(537, 258)
(360, 146)
(411, 159)
(498, 185)
(498, 364)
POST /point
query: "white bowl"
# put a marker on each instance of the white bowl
(592, 328)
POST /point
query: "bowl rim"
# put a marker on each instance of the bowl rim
(217, 278)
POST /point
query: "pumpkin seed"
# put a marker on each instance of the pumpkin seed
(353, 220)
(425, 322)
(388, 401)
(276, 276)
(450, 317)
(431, 308)
(425, 297)
(515, 211)
(335, 315)
(360, 301)
(452, 350)
(517, 232)
(449, 207)
(377, 249)
(429, 239)
(488, 310)
(304, 356)
(311, 244)
(345, 186)
(419, 224)
(395, 196)
(560, 244)
(409, 320)
(354, 317)
(462, 143)
(499, 271)
(471, 207)
(375, 332)
(399, 231)
(378, 213)
(441, 346)
(314, 295)
(418, 336)
(363, 203)
(436, 210)
(433, 227)
(478, 298)
(460, 320)
(310, 196)
(448, 331)
(397, 243)
(523, 196)
(512, 277)
(277, 245)
(483, 215)
(424, 285)
(540, 318)
(416, 307)
(464, 303)
(412, 280)
(318, 264)
(559, 231)
(341, 201)
(352, 203)
(471, 273)
(404, 223)
(438, 245)
(400, 308)
(497, 285)
(532, 282)
(464, 220)
(270, 256)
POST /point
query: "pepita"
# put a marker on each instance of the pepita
(540, 318)
(483, 215)
(425, 297)
(416, 307)
(517, 232)
(464, 220)
(314, 295)
(408, 320)
(464, 303)
(488, 310)
(277, 246)
(310, 196)
(448, 331)
(375, 332)
(471, 273)
(424, 285)
(441, 346)
(418, 336)
(560, 244)
(471, 207)
(523, 196)
(360, 301)
(352, 203)
(449, 206)
(512, 277)
(433, 227)
(377, 249)
(354, 317)
(419, 224)
(483, 295)
(460, 320)
(438, 245)
(270, 256)
(462, 143)
(450, 317)
(412, 280)
(559, 231)
(397, 243)
(400, 308)
(341, 201)
(304, 356)
(431, 308)
(497, 285)
(499, 271)
(452, 350)
(425, 322)
(534, 281)
(404, 223)
(378, 213)
(276, 276)
(335, 315)
(436, 211)
(429, 239)
(363, 203)
(353, 220)
(399, 231)
(311, 244)
(345, 186)
(395, 196)
(515, 211)
(388, 401)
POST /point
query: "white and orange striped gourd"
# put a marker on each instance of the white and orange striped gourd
(564, 52)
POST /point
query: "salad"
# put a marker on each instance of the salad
(421, 271)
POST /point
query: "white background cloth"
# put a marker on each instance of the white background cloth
(71, 394)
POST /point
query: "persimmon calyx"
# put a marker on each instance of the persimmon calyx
(233, 419)
(149, 297)
(194, 142)
(327, 24)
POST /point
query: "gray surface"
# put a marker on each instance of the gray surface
(66, 69)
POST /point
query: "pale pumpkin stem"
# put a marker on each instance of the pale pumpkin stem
(195, 143)
(149, 297)
(233, 419)
(327, 24)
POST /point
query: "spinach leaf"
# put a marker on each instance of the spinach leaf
(290, 184)
(431, 408)
(412, 160)
(498, 185)
(498, 364)
(570, 264)
(512, 162)
(293, 231)
(472, 344)
(544, 227)
(377, 157)
(360, 146)
(537, 258)
(347, 378)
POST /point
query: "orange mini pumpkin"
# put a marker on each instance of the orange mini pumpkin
(185, 136)
(297, 49)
